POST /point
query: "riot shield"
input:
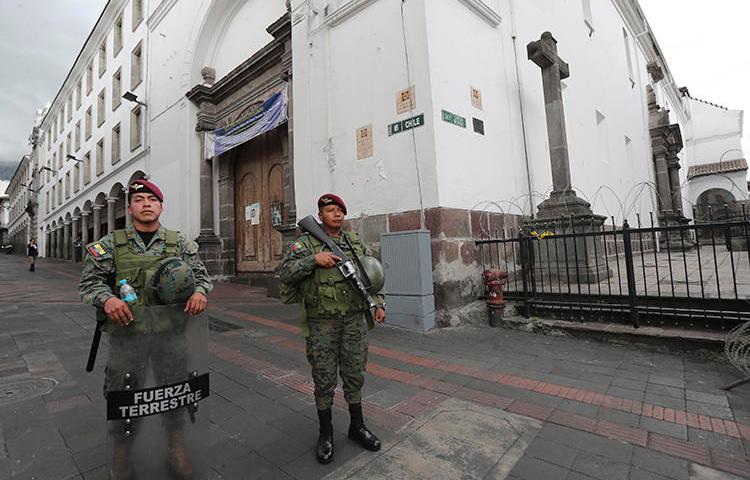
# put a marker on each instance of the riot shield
(156, 381)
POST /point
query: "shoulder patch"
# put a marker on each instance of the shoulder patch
(295, 247)
(191, 248)
(97, 251)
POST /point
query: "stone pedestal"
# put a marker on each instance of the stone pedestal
(573, 259)
(675, 239)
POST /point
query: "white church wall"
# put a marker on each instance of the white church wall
(604, 100)
(605, 105)
(347, 76)
(189, 36)
(716, 132)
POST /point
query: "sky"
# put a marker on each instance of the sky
(706, 49)
(39, 41)
(703, 42)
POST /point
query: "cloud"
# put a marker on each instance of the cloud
(3, 186)
(39, 40)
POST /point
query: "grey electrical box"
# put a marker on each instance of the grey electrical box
(407, 262)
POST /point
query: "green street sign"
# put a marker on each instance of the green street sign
(453, 118)
(405, 125)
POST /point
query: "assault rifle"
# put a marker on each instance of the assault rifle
(346, 266)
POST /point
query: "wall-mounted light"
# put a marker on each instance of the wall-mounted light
(71, 157)
(132, 97)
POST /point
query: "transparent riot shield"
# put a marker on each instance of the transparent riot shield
(156, 381)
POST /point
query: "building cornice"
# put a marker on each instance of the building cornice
(268, 57)
(161, 11)
(635, 20)
(353, 7)
(484, 11)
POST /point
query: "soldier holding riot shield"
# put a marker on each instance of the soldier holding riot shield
(157, 327)
(331, 275)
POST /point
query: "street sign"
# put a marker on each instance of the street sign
(453, 118)
(407, 124)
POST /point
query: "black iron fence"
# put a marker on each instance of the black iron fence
(685, 274)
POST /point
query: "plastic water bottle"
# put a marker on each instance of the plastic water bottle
(127, 293)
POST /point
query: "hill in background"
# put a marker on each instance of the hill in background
(7, 169)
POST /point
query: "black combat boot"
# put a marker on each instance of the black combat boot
(359, 432)
(324, 449)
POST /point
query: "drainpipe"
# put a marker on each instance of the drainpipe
(520, 105)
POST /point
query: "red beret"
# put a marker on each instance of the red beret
(144, 186)
(331, 199)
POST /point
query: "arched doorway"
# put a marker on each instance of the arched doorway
(259, 194)
(715, 205)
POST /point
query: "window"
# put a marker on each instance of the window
(99, 157)
(626, 40)
(79, 94)
(587, 19)
(49, 140)
(53, 198)
(136, 66)
(87, 168)
(137, 13)
(135, 128)
(116, 90)
(100, 107)
(90, 78)
(67, 185)
(46, 201)
(88, 123)
(117, 37)
(77, 177)
(68, 144)
(78, 135)
(60, 121)
(59, 192)
(116, 144)
(103, 58)
(54, 163)
(54, 132)
(60, 157)
(70, 107)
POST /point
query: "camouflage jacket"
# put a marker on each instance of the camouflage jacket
(94, 287)
(315, 286)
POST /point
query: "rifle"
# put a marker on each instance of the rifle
(346, 266)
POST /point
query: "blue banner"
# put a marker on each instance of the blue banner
(269, 115)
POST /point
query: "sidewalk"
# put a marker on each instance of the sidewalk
(454, 403)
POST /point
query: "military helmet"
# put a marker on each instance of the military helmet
(374, 271)
(173, 282)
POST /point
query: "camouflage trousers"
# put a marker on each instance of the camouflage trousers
(132, 353)
(337, 346)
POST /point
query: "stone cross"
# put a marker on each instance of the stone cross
(543, 52)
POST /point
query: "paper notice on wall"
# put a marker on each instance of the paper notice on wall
(476, 98)
(406, 100)
(364, 142)
(252, 213)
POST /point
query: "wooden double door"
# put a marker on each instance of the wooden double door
(259, 196)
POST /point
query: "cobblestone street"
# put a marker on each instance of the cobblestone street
(453, 403)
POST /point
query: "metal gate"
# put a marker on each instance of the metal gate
(653, 275)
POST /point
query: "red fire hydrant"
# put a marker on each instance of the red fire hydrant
(493, 279)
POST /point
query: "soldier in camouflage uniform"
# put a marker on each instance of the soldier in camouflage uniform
(134, 254)
(334, 322)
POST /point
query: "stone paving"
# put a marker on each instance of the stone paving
(455, 403)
